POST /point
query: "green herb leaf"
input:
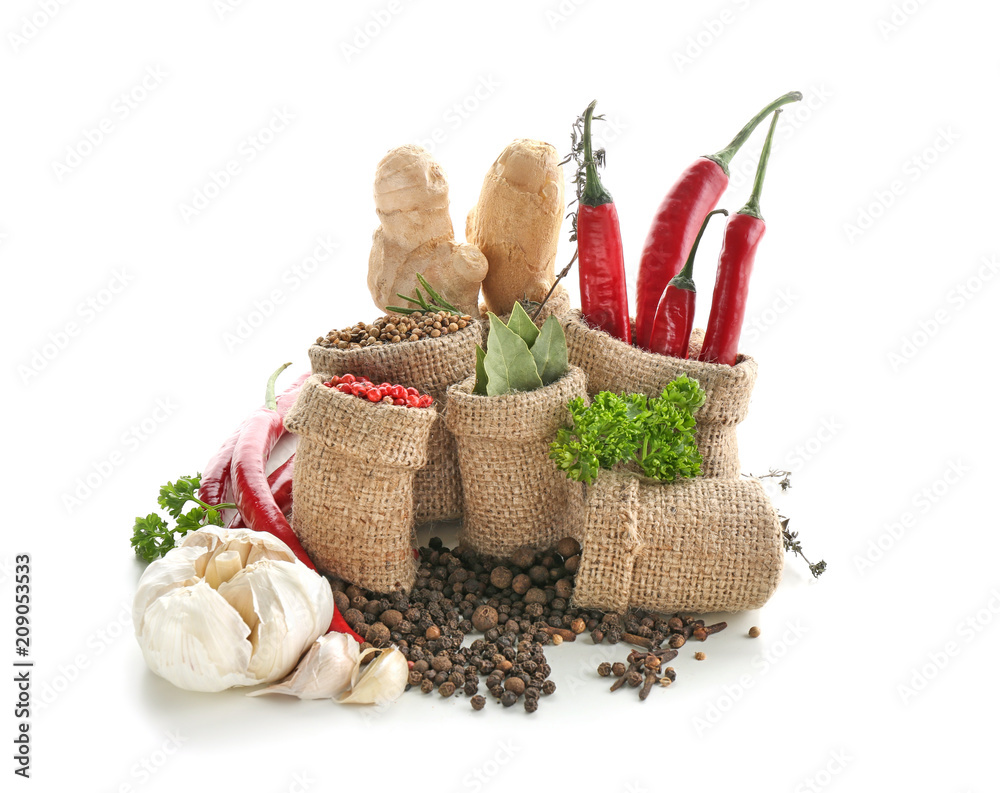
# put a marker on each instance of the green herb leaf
(508, 362)
(481, 377)
(522, 325)
(152, 536)
(174, 496)
(550, 351)
(657, 434)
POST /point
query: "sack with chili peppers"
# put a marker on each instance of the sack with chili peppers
(429, 365)
(697, 545)
(613, 365)
(513, 493)
(355, 467)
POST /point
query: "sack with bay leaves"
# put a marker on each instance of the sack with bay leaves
(430, 366)
(698, 545)
(353, 488)
(612, 365)
(503, 420)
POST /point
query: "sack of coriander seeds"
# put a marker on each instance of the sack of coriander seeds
(612, 365)
(514, 495)
(430, 365)
(698, 545)
(355, 466)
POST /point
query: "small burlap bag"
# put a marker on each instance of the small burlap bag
(513, 493)
(429, 365)
(612, 365)
(352, 496)
(693, 545)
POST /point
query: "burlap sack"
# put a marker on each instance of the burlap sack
(352, 496)
(693, 545)
(429, 365)
(612, 365)
(513, 493)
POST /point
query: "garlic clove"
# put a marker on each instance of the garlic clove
(196, 640)
(381, 682)
(222, 567)
(286, 605)
(181, 567)
(324, 672)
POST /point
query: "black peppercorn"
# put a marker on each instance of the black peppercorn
(604, 669)
(478, 702)
(446, 689)
(427, 686)
(548, 687)
(531, 705)
(508, 698)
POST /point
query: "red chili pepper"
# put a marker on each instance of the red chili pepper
(675, 314)
(732, 279)
(280, 481)
(678, 218)
(215, 476)
(252, 494)
(603, 294)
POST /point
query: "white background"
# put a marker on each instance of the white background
(872, 316)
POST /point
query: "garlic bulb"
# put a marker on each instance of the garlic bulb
(228, 607)
(381, 682)
(324, 672)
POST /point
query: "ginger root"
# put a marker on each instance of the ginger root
(516, 223)
(416, 235)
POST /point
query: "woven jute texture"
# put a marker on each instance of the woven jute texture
(353, 489)
(612, 365)
(514, 494)
(429, 365)
(693, 545)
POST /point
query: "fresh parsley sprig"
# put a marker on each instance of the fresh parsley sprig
(656, 433)
(152, 536)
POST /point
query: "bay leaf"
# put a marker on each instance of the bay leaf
(549, 351)
(508, 363)
(522, 325)
(481, 377)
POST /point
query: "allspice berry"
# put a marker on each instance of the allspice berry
(521, 584)
(572, 565)
(485, 617)
(523, 557)
(432, 633)
(535, 595)
(391, 618)
(754, 632)
(514, 684)
(377, 635)
(501, 577)
(567, 547)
